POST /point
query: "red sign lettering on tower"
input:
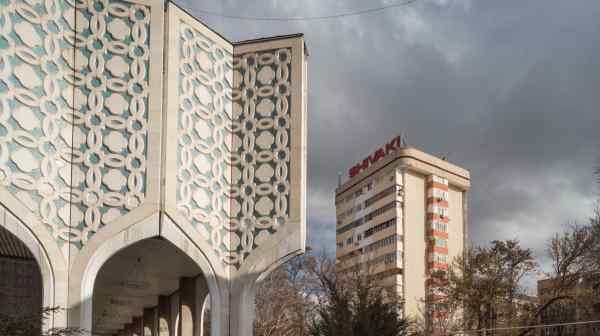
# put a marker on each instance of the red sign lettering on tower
(380, 153)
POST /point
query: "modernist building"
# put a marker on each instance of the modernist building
(145, 162)
(403, 214)
(583, 305)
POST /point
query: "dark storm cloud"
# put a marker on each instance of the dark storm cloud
(508, 89)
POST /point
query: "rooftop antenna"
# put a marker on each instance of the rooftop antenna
(402, 140)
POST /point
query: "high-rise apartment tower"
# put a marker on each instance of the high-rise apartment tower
(403, 213)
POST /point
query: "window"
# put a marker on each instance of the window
(350, 226)
(384, 242)
(440, 195)
(439, 226)
(380, 227)
(349, 240)
(380, 195)
(439, 210)
(439, 258)
(386, 258)
(444, 212)
(380, 211)
(437, 179)
(340, 245)
(439, 242)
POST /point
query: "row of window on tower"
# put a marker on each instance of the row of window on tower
(366, 188)
(372, 200)
(370, 216)
(377, 228)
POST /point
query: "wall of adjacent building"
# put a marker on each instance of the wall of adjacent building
(456, 225)
(414, 242)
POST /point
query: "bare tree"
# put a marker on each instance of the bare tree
(354, 304)
(572, 255)
(484, 289)
(307, 297)
(287, 298)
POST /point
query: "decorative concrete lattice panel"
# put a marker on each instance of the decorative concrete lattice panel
(35, 94)
(230, 137)
(75, 96)
(204, 117)
(261, 147)
(110, 138)
(81, 126)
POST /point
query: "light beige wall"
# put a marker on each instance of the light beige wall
(456, 225)
(414, 243)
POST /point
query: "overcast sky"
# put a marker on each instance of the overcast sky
(508, 89)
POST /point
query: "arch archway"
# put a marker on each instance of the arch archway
(129, 284)
(87, 268)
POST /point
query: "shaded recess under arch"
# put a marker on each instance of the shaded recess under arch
(21, 289)
(133, 280)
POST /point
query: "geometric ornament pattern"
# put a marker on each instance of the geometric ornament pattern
(110, 113)
(204, 115)
(35, 94)
(233, 163)
(74, 111)
(74, 124)
(261, 153)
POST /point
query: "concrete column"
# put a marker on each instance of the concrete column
(201, 295)
(137, 326)
(219, 310)
(192, 294)
(241, 308)
(148, 321)
(128, 329)
(164, 317)
(203, 318)
(187, 307)
(174, 308)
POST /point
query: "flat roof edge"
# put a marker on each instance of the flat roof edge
(188, 11)
(268, 38)
(407, 153)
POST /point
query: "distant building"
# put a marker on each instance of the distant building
(523, 305)
(584, 307)
(403, 213)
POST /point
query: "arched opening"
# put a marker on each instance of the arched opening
(149, 288)
(21, 291)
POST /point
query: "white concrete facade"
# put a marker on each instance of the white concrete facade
(123, 121)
